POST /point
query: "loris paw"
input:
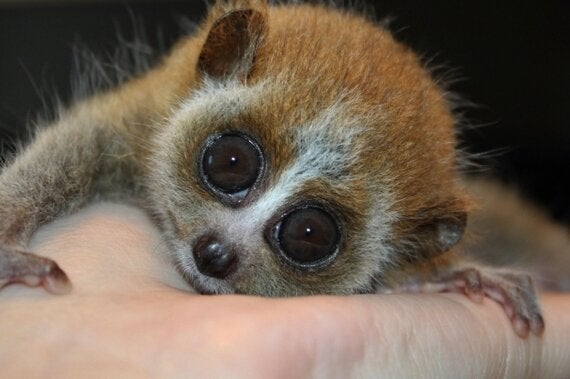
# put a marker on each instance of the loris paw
(32, 270)
(513, 290)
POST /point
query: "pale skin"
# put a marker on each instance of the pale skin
(130, 315)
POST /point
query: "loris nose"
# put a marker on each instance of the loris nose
(214, 257)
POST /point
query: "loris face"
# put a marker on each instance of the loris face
(306, 159)
(264, 204)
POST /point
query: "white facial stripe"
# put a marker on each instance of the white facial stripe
(326, 148)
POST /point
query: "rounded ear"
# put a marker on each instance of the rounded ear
(433, 233)
(449, 230)
(230, 48)
(440, 233)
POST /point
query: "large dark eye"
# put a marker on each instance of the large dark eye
(231, 164)
(307, 236)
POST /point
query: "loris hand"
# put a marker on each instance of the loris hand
(126, 318)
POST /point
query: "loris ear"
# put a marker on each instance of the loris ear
(447, 231)
(437, 232)
(231, 45)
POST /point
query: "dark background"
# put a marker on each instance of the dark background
(513, 59)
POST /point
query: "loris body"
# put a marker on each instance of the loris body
(283, 151)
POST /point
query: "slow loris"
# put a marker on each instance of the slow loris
(280, 154)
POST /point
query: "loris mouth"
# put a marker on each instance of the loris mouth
(204, 291)
(204, 286)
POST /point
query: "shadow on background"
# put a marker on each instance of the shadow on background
(513, 59)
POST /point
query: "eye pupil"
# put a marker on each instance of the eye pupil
(231, 164)
(307, 235)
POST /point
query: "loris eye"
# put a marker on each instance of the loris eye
(308, 236)
(230, 166)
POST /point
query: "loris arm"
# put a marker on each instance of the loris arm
(65, 165)
(93, 150)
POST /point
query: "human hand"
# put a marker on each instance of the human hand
(130, 315)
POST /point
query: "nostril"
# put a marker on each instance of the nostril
(214, 257)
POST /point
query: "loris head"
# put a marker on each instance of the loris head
(313, 154)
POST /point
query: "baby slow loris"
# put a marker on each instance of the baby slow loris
(280, 155)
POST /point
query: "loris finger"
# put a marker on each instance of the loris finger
(32, 270)
(514, 291)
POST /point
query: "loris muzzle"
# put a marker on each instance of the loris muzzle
(283, 150)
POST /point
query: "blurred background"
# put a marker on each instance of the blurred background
(509, 58)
